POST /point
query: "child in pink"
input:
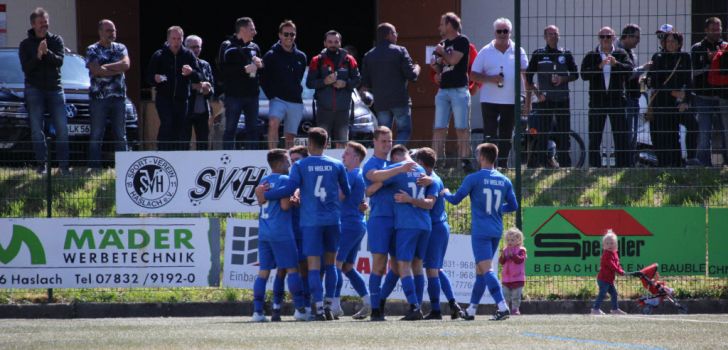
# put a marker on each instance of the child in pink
(608, 268)
(513, 258)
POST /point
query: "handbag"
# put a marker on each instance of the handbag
(650, 113)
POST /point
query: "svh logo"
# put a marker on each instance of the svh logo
(241, 181)
(23, 235)
(245, 246)
(151, 182)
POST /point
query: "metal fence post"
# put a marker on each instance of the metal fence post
(49, 194)
(517, 112)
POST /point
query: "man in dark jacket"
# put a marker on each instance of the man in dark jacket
(199, 108)
(334, 74)
(172, 70)
(285, 66)
(606, 69)
(240, 64)
(41, 55)
(385, 72)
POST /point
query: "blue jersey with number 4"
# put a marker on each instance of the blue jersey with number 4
(275, 223)
(408, 216)
(491, 195)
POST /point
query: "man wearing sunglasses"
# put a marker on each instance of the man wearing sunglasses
(284, 68)
(606, 68)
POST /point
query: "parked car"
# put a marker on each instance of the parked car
(361, 126)
(15, 142)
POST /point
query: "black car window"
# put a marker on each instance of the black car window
(10, 70)
(73, 71)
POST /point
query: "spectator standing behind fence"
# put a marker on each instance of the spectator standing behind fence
(513, 259)
(334, 74)
(554, 68)
(670, 79)
(608, 267)
(707, 100)
(172, 70)
(385, 72)
(284, 67)
(41, 55)
(107, 61)
(199, 104)
(240, 64)
(606, 69)
(628, 42)
(451, 66)
(495, 67)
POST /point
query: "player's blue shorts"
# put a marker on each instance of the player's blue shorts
(380, 230)
(411, 243)
(350, 243)
(484, 247)
(277, 254)
(320, 239)
(437, 245)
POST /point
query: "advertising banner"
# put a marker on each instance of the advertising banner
(241, 263)
(191, 182)
(567, 241)
(718, 242)
(109, 252)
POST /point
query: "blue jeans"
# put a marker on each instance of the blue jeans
(234, 105)
(113, 109)
(455, 100)
(172, 120)
(403, 118)
(38, 101)
(605, 288)
(709, 119)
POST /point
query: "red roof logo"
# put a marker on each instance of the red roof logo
(596, 222)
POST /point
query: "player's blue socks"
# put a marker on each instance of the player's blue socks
(330, 278)
(408, 286)
(295, 286)
(390, 281)
(339, 283)
(446, 286)
(494, 287)
(314, 284)
(357, 282)
(433, 290)
(478, 289)
(259, 294)
(419, 287)
(306, 292)
(375, 289)
(279, 290)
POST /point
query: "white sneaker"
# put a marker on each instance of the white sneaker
(597, 312)
(363, 313)
(300, 316)
(337, 311)
(259, 317)
(618, 312)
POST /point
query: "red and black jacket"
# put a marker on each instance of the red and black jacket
(327, 97)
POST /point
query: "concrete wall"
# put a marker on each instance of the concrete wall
(62, 19)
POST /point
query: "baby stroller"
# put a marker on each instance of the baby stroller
(659, 292)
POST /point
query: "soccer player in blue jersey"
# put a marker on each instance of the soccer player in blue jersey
(353, 228)
(491, 195)
(276, 244)
(437, 245)
(412, 224)
(319, 178)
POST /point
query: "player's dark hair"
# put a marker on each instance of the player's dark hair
(398, 150)
(318, 137)
(275, 156)
(358, 148)
(381, 130)
(488, 151)
(426, 156)
(302, 150)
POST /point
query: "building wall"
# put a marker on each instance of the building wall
(62, 19)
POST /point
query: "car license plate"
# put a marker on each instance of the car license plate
(300, 141)
(79, 129)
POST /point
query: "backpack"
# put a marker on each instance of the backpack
(718, 73)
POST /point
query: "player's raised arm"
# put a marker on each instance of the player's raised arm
(373, 188)
(385, 174)
(344, 181)
(462, 192)
(294, 181)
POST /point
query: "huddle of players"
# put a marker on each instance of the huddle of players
(316, 214)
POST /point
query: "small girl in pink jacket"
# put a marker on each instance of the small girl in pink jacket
(513, 258)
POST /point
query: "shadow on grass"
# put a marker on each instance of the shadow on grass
(632, 187)
(565, 190)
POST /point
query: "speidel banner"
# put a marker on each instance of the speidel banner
(109, 252)
(241, 263)
(568, 241)
(191, 182)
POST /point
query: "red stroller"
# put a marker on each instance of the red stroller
(659, 292)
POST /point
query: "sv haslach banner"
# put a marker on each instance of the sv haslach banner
(718, 242)
(109, 252)
(568, 241)
(241, 263)
(191, 182)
